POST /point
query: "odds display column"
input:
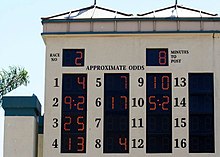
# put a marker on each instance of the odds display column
(116, 113)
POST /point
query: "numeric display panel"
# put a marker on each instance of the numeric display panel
(73, 57)
(157, 57)
(201, 113)
(74, 113)
(159, 113)
(116, 113)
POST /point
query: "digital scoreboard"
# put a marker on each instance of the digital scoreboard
(132, 95)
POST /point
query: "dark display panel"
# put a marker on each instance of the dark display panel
(116, 113)
(74, 113)
(159, 113)
(157, 57)
(201, 113)
(73, 57)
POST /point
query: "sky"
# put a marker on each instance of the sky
(21, 43)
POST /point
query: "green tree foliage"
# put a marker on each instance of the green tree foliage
(11, 79)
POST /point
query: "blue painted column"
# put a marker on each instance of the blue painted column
(21, 126)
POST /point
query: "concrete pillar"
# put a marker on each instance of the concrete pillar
(21, 126)
(40, 136)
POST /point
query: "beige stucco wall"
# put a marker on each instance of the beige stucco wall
(117, 49)
(20, 136)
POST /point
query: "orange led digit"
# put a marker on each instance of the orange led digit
(165, 102)
(80, 123)
(68, 101)
(80, 103)
(113, 103)
(70, 144)
(81, 144)
(81, 81)
(123, 142)
(66, 124)
(162, 57)
(152, 102)
(78, 59)
(125, 81)
(125, 101)
(165, 83)
(155, 82)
